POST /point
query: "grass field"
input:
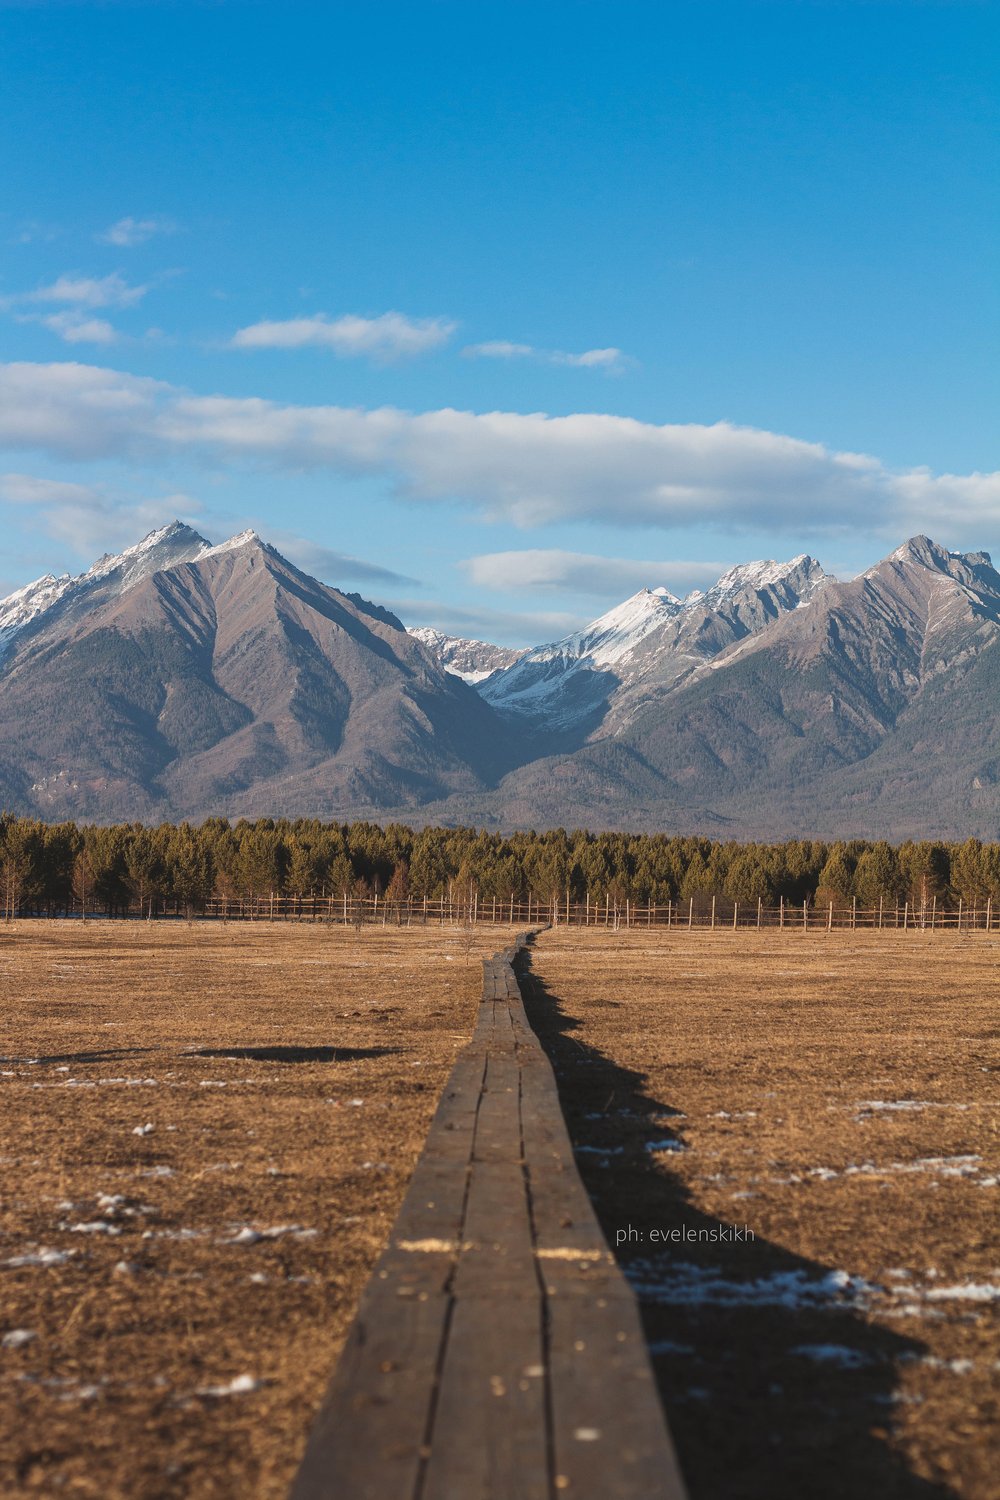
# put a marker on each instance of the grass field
(207, 1130)
(838, 1095)
(206, 1133)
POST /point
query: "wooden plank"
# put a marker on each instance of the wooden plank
(368, 1441)
(489, 1440)
(498, 1125)
(497, 1258)
(609, 1435)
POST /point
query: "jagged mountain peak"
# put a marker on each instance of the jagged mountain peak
(767, 573)
(973, 570)
(472, 660)
(51, 598)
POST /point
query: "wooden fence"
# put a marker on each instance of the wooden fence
(711, 912)
(695, 912)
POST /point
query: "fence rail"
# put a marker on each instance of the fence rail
(695, 912)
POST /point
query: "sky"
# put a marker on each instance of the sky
(496, 313)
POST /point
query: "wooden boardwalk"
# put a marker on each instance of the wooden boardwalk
(497, 1350)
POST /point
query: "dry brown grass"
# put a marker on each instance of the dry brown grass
(108, 1027)
(766, 1059)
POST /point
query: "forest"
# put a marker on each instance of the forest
(122, 869)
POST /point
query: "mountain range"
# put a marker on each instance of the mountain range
(181, 679)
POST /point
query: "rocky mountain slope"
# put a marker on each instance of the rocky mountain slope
(473, 661)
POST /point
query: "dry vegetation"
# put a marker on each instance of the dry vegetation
(838, 1094)
(173, 1300)
(174, 1297)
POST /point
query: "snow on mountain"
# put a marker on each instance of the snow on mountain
(32, 607)
(473, 661)
(575, 679)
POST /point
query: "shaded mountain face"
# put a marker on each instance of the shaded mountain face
(226, 681)
(473, 661)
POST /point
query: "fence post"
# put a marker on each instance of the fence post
(713, 911)
(854, 912)
(805, 913)
(959, 913)
(906, 913)
(781, 912)
(933, 911)
(829, 918)
(880, 913)
(760, 907)
(736, 907)
(989, 913)
(691, 911)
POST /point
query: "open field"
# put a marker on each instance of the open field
(837, 1094)
(206, 1133)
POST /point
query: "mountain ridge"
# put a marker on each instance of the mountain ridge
(185, 679)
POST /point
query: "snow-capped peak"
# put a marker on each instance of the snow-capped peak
(761, 574)
(616, 633)
(242, 539)
(110, 575)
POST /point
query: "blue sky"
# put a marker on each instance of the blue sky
(496, 312)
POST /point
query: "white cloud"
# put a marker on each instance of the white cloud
(86, 291)
(128, 232)
(499, 349)
(388, 337)
(527, 468)
(586, 573)
(76, 328)
(611, 361)
(88, 518)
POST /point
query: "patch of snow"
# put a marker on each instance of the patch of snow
(241, 1385)
(42, 1257)
(18, 1338)
(969, 1291)
(687, 1284)
(838, 1355)
(250, 1236)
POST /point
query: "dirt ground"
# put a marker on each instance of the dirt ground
(205, 1134)
(838, 1097)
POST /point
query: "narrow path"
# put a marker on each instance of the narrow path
(497, 1350)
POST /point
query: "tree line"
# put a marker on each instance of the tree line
(53, 869)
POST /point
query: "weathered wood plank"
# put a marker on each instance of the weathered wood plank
(498, 1256)
(368, 1441)
(490, 1440)
(609, 1435)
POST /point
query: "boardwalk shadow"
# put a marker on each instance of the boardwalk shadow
(295, 1054)
(752, 1418)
